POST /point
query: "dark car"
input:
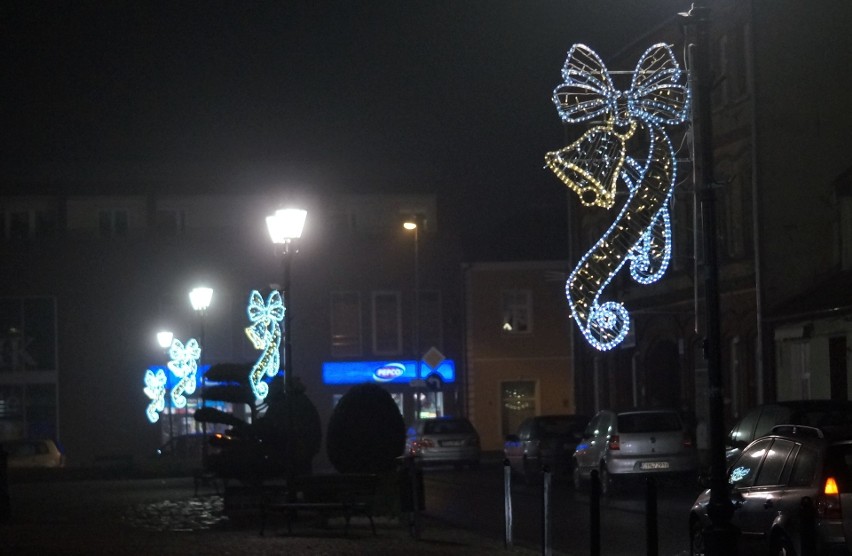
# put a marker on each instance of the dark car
(759, 421)
(777, 482)
(546, 440)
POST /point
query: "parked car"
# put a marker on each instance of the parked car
(546, 440)
(633, 444)
(759, 421)
(444, 440)
(770, 482)
(33, 453)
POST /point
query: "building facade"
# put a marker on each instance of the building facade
(783, 229)
(518, 346)
(89, 279)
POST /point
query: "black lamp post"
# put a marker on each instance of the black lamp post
(415, 325)
(721, 535)
(285, 226)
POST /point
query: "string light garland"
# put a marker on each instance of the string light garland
(265, 334)
(155, 389)
(184, 365)
(628, 144)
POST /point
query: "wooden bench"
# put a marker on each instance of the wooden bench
(346, 494)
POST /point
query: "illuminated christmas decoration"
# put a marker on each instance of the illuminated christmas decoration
(265, 335)
(628, 144)
(184, 365)
(155, 389)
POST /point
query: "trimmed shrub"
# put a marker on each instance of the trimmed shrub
(366, 432)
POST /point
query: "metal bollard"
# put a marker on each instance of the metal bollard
(595, 513)
(507, 503)
(651, 538)
(546, 549)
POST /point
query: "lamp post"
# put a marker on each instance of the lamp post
(721, 534)
(415, 326)
(285, 226)
(200, 299)
(164, 340)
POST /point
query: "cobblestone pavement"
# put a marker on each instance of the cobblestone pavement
(165, 517)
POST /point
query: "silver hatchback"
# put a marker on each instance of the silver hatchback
(634, 444)
(444, 440)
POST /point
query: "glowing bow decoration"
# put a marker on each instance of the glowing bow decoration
(593, 165)
(155, 389)
(265, 335)
(184, 365)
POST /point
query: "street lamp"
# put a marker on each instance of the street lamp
(285, 226)
(411, 225)
(164, 338)
(200, 299)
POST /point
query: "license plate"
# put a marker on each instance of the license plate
(452, 442)
(655, 465)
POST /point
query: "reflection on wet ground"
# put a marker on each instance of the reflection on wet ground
(196, 514)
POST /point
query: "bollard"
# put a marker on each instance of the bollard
(546, 549)
(809, 530)
(415, 498)
(651, 538)
(5, 504)
(507, 503)
(595, 513)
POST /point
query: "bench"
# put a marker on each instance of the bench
(344, 493)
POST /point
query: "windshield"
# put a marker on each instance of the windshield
(648, 422)
(447, 426)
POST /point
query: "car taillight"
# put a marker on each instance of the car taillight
(828, 503)
(613, 442)
(687, 441)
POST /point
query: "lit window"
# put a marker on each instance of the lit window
(517, 312)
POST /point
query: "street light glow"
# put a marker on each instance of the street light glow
(410, 225)
(286, 224)
(164, 338)
(200, 298)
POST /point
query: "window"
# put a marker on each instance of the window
(517, 311)
(345, 324)
(804, 468)
(743, 473)
(387, 332)
(171, 222)
(773, 465)
(112, 223)
(517, 404)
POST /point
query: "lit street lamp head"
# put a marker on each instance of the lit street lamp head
(200, 298)
(164, 338)
(409, 225)
(286, 224)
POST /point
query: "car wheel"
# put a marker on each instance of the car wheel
(781, 546)
(697, 546)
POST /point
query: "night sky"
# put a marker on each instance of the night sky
(451, 97)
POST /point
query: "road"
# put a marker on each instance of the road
(474, 500)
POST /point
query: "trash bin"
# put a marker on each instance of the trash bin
(410, 480)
